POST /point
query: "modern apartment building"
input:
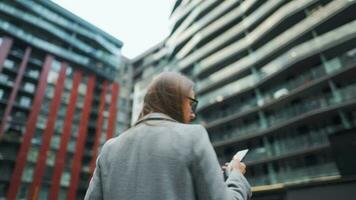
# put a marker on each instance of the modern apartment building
(60, 79)
(277, 77)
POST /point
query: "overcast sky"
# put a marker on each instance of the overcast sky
(139, 24)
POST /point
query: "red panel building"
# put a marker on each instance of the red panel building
(59, 100)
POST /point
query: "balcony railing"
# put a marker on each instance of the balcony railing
(307, 173)
(316, 103)
(302, 174)
(286, 38)
(338, 64)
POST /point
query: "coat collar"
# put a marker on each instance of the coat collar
(156, 115)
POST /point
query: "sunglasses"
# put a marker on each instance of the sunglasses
(193, 104)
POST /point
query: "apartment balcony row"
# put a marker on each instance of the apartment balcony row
(182, 11)
(253, 42)
(291, 146)
(285, 144)
(9, 153)
(282, 118)
(6, 85)
(220, 17)
(192, 33)
(109, 59)
(223, 31)
(16, 129)
(22, 106)
(297, 35)
(201, 9)
(91, 129)
(287, 61)
(83, 61)
(69, 25)
(304, 82)
(303, 174)
(31, 73)
(245, 33)
(27, 177)
(32, 60)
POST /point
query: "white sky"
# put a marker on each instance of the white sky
(139, 24)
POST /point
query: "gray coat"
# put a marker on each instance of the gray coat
(159, 160)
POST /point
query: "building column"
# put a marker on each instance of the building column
(112, 110)
(271, 172)
(14, 91)
(344, 120)
(256, 74)
(4, 50)
(82, 134)
(338, 99)
(47, 135)
(65, 136)
(21, 158)
(99, 126)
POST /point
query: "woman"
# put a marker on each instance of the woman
(162, 156)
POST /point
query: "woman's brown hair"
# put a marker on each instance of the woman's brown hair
(166, 94)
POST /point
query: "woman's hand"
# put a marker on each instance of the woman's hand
(235, 164)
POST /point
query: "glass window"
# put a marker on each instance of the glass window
(65, 179)
(33, 154)
(82, 88)
(56, 66)
(29, 87)
(22, 194)
(42, 121)
(68, 84)
(50, 91)
(43, 193)
(34, 74)
(9, 64)
(27, 174)
(332, 65)
(51, 156)
(52, 77)
(3, 78)
(25, 101)
(55, 141)
(69, 72)
(62, 193)
(71, 145)
(1, 93)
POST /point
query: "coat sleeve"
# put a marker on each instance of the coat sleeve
(94, 191)
(207, 174)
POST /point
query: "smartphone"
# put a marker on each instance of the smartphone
(239, 155)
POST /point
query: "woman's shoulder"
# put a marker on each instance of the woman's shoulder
(189, 133)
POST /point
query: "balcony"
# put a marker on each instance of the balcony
(284, 42)
(290, 146)
(259, 180)
(280, 119)
(202, 24)
(236, 47)
(234, 16)
(61, 21)
(304, 82)
(307, 173)
(303, 174)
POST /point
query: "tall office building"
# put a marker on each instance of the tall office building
(277, 77)
(60, 78)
